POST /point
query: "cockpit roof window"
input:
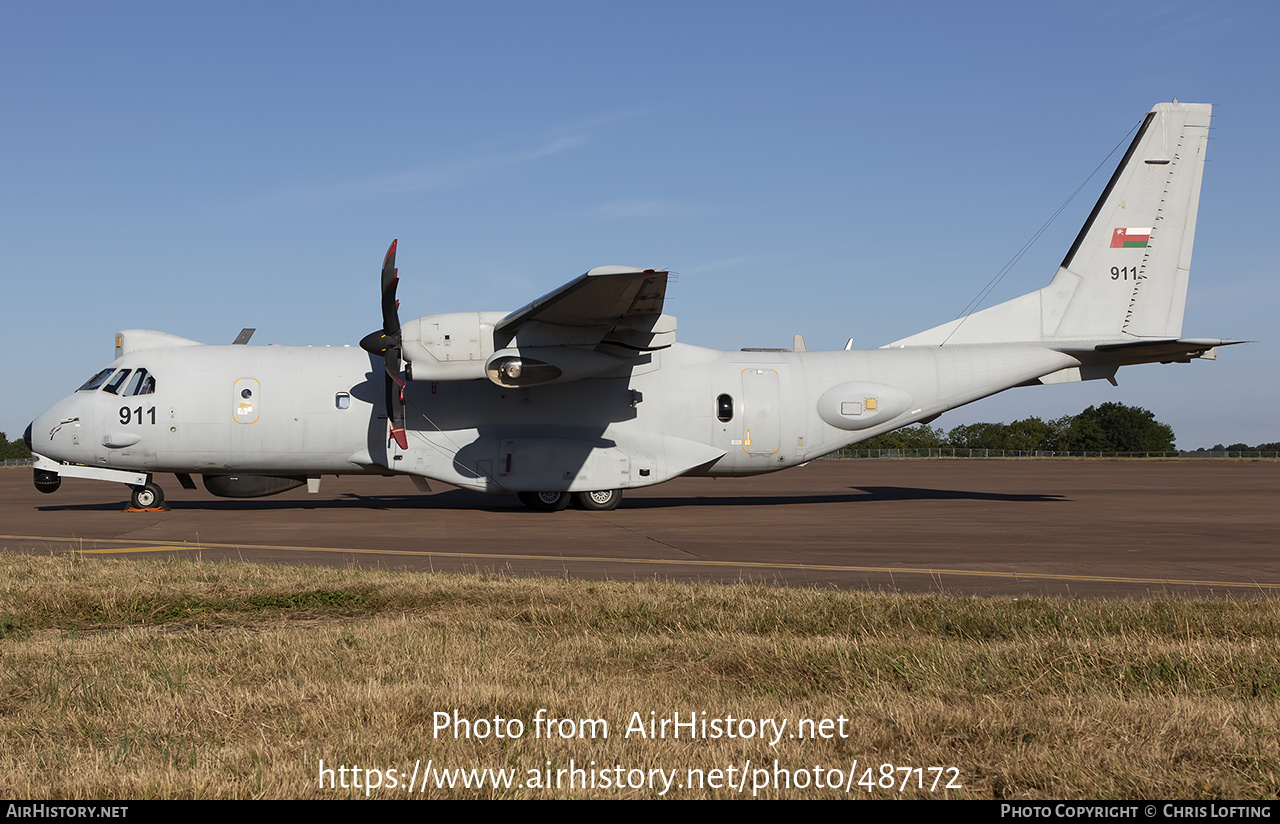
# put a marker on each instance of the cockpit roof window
(142, 384)
(113, 386)
(97, 380)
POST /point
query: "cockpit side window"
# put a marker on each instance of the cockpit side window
(142, 384)
(113, 385)
(97, 380)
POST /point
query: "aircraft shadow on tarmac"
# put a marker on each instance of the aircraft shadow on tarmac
(464, 499)
(862, 494)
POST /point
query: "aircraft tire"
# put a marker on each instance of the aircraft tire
(544, 501)
(601, 500)
(147, 497)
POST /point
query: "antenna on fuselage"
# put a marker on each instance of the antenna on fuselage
(243, 337)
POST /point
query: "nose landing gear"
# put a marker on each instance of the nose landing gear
(148, 496)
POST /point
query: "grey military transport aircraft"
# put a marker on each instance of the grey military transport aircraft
(585, 392)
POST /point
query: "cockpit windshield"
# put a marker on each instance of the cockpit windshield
(96, 381)
(113, 385)
(110, 380)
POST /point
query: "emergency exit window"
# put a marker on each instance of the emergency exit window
(724, 408)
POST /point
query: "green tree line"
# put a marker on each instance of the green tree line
(10, 450)
(1109, 427)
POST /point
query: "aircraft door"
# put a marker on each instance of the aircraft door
(246, 411)
(761, 411)
(245, 401)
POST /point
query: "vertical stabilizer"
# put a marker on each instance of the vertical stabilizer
(1125, 276)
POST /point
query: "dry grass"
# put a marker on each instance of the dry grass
(128, 679)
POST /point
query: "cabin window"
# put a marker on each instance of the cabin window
(97, 380)
(724, 408)
(113, 385)
(142, 384)
(342, 400)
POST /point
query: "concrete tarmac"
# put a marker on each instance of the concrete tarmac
(1093, 528)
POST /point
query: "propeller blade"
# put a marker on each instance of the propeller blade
(386, 342)
(377, 343)
(395, 394)
(390, 317)
(395, 399)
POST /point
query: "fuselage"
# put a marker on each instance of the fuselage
(312, 411)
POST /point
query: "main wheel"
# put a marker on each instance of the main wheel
(147, 497)
(544, 501)
(601, 500)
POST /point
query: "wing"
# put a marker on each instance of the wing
(604, 323)
(611, 306)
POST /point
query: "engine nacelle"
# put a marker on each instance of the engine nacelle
(449, 347)
(540, 365)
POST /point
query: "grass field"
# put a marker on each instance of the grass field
(128, 679)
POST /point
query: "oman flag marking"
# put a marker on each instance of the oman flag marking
(1130, 238)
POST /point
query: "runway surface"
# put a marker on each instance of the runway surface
(1080, 527)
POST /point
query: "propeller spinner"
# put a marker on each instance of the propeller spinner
(386, 342)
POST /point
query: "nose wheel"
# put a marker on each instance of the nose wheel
(149, 496)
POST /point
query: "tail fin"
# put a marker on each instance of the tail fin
(1125, 277)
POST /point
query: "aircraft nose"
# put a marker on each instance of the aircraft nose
(26, 436)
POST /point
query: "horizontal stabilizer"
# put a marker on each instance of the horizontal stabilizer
(1182, 350)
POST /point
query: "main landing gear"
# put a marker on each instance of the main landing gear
(599, 501)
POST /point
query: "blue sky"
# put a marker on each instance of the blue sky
(831, 169)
